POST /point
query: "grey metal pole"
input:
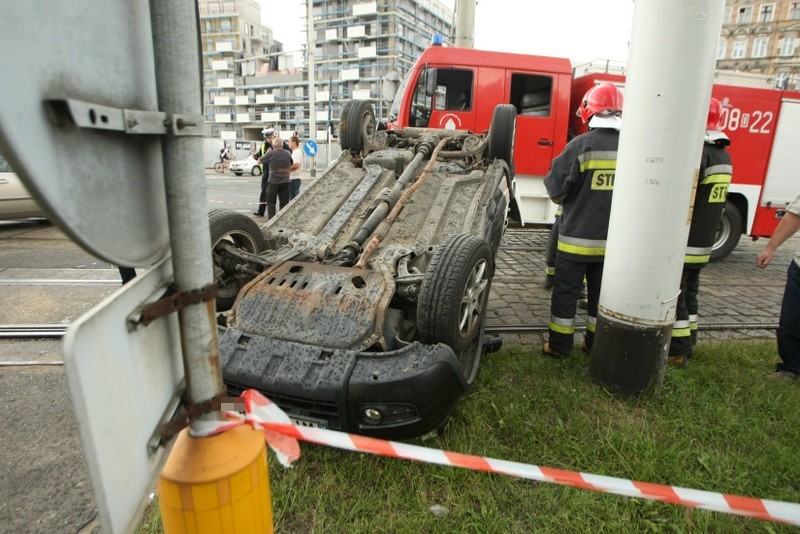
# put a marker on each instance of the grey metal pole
(667, 94)
(312, 76)
(465, 23)
(177, 62)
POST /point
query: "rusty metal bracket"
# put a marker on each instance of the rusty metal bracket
(175, 301)
(188, 413)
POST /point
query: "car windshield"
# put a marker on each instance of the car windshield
(394, 111)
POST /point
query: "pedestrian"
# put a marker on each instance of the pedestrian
(714, 177)
(581, 179)
(266, 146)
(295, 171)
(279, 162)
(788, 333)
(225, 153)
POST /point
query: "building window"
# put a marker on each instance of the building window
(738, 49)
(787, 46)
(228, 6)
(745, 15)
(765, 13)
(760, 47)
(794, 11)
(722, 47)
(781, 80)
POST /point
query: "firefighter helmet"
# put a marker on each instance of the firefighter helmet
(714, 121)
(602, 97)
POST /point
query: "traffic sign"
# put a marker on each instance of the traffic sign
(81, 128)
(123, 382)
(310, 148)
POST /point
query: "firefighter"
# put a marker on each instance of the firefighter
(713, 180)
(581, 180)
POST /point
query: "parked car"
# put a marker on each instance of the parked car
(361, 305)
(15, 201)
(249, 164)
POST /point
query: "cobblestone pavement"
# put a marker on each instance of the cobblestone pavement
(731, 291)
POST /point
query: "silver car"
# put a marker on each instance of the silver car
(248, 165)
(15, 201)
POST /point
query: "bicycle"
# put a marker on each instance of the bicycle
(222, 166)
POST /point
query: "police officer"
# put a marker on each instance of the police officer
(581, 179)
(266, 146)
(714, 177)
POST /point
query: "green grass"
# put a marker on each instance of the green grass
(717, 425)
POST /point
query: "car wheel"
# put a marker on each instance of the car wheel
(256, 170)
(238, 173)
(728, 232)
(239, 229)
(502, 130)
(356, 123)
(453, 298)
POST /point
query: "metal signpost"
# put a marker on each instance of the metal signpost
(310, 148)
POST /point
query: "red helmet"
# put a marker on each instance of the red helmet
(714, 121)
(602, 97)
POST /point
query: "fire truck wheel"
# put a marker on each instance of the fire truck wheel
(501, 133)
(728, 232)
(240, 230)
(453, 299)
(357, 122)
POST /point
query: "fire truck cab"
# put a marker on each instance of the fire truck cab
(456, 88)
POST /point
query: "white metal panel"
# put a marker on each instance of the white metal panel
(224, 46)
(242, 100)
(350, 74)
(221, 100)
(367, 8)
(361, 94)
(122, 383)
(223, 117)
(330, 34)
(367, 51)
(783, 180)
(225, 82)
(356, 31)
(219, 65)
(242, 117)
(271, 117)
(228, 134)
(323, 95)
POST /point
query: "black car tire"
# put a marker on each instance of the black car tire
(454, 296)
(502, 130)
(245, 234)
(356, 123)
(728, 232)
(256, 170)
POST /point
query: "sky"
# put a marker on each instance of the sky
(581, 30)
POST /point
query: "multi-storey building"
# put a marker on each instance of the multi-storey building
(361, 50)
(762, 36)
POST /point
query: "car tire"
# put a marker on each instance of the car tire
(231, 226)
(256, 170)
(502, 130)
(356, 123)
(452, 302)
(238, 173)
(728, 232)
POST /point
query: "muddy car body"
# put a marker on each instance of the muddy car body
(361, 305)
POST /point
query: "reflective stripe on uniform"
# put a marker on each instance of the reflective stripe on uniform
(583, 247)
(598, 159)
(697, 255)
(681, 329)
(562, 325)
(591, 323)
(716, 174)
(549, 271)
(559, 211)
(693, 321)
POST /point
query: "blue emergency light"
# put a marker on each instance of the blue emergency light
(437, 39)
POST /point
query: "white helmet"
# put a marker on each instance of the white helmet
(268, 132)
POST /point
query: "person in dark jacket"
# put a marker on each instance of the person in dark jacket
(266, 146)
(714, 177)
(279, 162)
(581, 180)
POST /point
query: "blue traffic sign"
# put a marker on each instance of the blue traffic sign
(310, 148)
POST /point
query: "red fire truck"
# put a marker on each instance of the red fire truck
(458, 88)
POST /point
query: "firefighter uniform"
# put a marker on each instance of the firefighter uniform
(714, 178)
(581, 179)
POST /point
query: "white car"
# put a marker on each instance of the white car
(242, 166)
(15, 201)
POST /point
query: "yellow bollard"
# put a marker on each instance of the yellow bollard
(216, 484)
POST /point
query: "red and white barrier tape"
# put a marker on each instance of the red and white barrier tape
(282, 436)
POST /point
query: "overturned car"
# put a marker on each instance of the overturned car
(361, 305)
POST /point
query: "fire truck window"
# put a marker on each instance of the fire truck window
(421, 103)
(531, 94)
(454, 89)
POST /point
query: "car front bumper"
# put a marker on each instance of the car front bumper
(395, 395)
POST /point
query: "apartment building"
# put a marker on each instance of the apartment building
(762, 37)
(360, 50)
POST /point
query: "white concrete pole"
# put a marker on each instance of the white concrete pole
(667, 93)
(465, 23)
